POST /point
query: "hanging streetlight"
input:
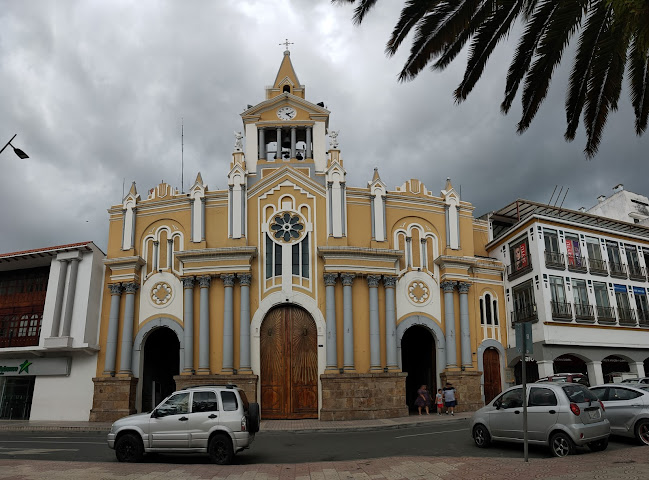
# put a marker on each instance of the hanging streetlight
(22, 155)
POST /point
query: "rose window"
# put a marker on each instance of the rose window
(287, 227)
(161, 293)
(418, 292)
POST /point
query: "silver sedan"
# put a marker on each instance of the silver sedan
(627, 408)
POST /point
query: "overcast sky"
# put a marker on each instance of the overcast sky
(96, 91)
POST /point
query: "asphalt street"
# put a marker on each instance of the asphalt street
(443, 439)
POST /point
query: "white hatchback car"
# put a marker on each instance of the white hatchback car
(560, 415)
(627, 408)
(214, 419)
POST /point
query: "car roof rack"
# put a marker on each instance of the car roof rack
(211, 385)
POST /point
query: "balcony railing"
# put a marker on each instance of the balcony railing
(519, 268)
(561, 310)
(643, 318)
(636, 272)
(605, 315)
(555, 260)
(627, 316)
(526, 313)
(577, 264)
(584, 313)
(597, 267)
(617, 270)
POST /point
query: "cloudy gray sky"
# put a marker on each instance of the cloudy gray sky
(96, 91)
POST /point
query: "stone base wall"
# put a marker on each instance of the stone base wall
(467, 389)
(248, 383)
(114, 398)
(363, 396)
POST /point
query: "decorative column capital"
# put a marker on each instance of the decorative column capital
(330, 184)
(228, 279)
(188, 282)
(330, 279)
(130, 287)
(408, 239)
(244, 278)
(463, 287)
(373, 281)
(156, 243)
(204, 281)
(203, 200)
(347, 279)
(115, 288)
(448, 287)
(423, 240)
(390, 282)
(170, 240)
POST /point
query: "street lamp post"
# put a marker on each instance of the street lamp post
(17, 151)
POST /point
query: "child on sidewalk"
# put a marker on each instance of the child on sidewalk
(439, 400)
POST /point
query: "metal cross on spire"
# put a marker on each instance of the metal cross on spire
(286, 43)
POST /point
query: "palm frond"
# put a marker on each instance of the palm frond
(485, 40)
(411, 14)
(639, 83)
(363, 8)
(561, 20)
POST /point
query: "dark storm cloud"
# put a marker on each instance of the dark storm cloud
(96, 92)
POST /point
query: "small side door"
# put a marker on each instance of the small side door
(204, 416)
(506, 421)
(542, 413)
(168, 423)
(622, 406)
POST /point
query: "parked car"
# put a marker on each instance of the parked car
(566, 377)
(216, 420)
(627, 408)
(560, 415)
(635, 380)
(619, 377)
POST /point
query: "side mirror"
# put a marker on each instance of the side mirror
(154, 414)
(497, 404)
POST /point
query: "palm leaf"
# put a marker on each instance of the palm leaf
(639, 82)
(411, 14)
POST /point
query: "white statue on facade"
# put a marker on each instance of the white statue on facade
(333, 136)
(238, 144)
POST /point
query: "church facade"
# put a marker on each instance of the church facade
(321, 300)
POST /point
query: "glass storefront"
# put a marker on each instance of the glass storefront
(16, 397)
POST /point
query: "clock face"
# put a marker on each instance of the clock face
(286, 113)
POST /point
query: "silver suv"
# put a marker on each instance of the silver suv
(214, 419)
(560, 415)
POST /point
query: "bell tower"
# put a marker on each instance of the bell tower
(285, 128)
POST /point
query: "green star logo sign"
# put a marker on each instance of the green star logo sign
(24, 367)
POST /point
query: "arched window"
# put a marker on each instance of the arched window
(286, 89)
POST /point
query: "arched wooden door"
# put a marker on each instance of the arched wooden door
(491, 366)
(289, 364)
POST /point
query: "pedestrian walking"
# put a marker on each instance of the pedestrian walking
(423, 399)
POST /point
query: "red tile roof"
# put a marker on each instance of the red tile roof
(45, 250)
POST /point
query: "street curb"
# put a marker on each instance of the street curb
(362, 428)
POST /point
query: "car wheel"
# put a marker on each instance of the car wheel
(642, 432)
(599, 445)
(561, 445)
(129, 448)
(481, 436)
(220, 449)
(253, 417)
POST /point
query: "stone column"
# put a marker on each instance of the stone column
(309, 150)
(69, 302)
(637, 368)
(293, 141)
(330, 206)
(188, 324)
(408, 252)
(170, 251)
(375, 335)
(278, 155)
(228, 324)
(58, 304)
(449, 323)
(545, 368)
(244, 324)
(465, 328)
(127, 329)
(203, 219)
(424, 255)
(204, 326)
(348, 323)
(390, 284)
(113, 321)
(595, 374)
(262, 144)
(330, 290)
(156, 252)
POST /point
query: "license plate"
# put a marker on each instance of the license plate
(594, 414)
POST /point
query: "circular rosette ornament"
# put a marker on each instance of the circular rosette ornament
(418, 292)
(287, 227)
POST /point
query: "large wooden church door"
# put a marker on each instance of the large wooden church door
(289, 364)
(491, 367)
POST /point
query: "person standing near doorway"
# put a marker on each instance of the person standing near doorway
(423, 399)
(439, 401)
(449, 398)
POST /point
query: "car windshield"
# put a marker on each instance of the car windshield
(578, 393)
(630, 380)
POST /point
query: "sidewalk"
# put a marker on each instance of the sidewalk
(308, 425)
